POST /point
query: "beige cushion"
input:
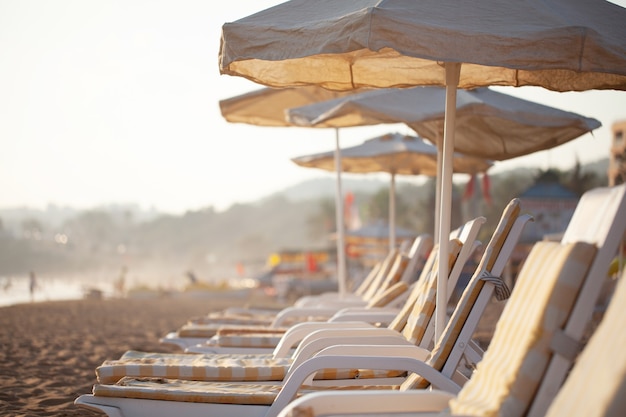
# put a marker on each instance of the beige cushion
(596, 387)
(507, 378)
(206, 392)
(216, 367)
(424, 306)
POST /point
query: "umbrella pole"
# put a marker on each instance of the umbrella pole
(453, 71)
(339, 218)
(439, 144)
(392, 212)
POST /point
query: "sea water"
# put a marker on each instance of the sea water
(16, 290)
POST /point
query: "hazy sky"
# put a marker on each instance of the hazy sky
(105, 101)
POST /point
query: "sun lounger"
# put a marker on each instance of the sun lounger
(595, 387)
(397, 267)
(205, 367)
(546, 292)
(194, 334)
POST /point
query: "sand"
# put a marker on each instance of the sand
(49, 350)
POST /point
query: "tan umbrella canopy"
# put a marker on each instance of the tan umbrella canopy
(505, 126)
(556, 44)
(395, 154)
(266, 107)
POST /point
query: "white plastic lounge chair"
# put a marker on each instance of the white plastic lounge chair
(545, 293)
(395, 268)
(490, 257)
(272, 367)
(268, 367)
(196, 334)
(596, 386)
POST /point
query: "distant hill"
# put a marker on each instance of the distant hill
(325, 188)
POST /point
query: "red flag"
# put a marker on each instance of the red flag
(469, 188)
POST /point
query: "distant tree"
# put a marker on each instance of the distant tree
(579, 181)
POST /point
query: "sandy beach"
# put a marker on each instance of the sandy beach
(49, 350)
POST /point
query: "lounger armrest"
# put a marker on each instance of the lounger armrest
(294, 381)
(299, 331)
(374, 402)
(311, 300)
(312, 348)
(344, 335)
(374, 317)
(299, 312)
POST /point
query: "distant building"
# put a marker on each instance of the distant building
(551, 204)
(617, 156)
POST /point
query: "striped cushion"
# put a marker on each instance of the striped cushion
(383, 271)
(401, 318)
(506, 379)
(247, 340)
(387, 296)
(205, 392)
(424, 306)
(395, 273)
(216, 367)
(596, 387)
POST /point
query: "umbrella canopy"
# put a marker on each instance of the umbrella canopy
(396, 154)
(393, 153)
(556, 44)
(505, 126)
(266, 107)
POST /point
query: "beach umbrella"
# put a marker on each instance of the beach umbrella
(560, 45)
(395, 154)
(505, 126)
(266, 107)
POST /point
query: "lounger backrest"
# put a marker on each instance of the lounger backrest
(507, 378)
(596, 387)
(449, 338)
(396, 270)
(424, 306)
(401, 318)
(599, 218)
(382, 273)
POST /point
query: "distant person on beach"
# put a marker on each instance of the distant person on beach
(192, 277)
(8, 283)
(121, 282)
(32, 285)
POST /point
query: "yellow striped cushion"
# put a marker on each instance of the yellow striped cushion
(234, 319)
(215, 367)
(205, 392)
(506, 379)
(424, 306)
(395, 273)
(239, 330)
(401, 318)
(383, 299)
(247, 340)
(380, 276)
(596, 387)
